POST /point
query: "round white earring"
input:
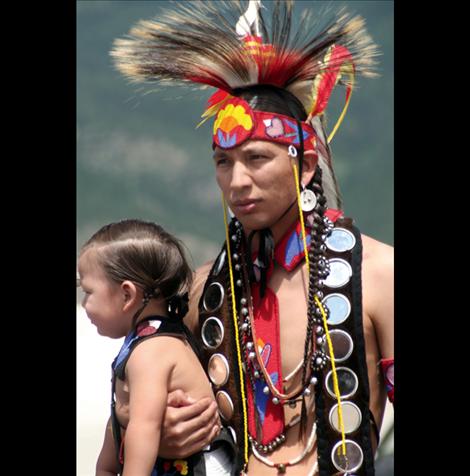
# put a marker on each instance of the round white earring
(308, 199)
(292, 151)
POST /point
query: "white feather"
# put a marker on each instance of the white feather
(248, 19)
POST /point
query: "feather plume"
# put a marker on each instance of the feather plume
(197, 43)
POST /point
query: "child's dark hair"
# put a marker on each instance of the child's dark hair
(144, 253)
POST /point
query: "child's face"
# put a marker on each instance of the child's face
(104, 299)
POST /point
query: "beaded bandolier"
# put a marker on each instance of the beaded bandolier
(342, 298)
(219, 356)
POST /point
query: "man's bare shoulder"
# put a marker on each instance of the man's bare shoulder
(377, 253)
(377, 291)
(199, 279)
(377, 265)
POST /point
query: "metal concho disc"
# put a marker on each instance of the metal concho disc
(342, 345)
(213, 297)
(225, 405)
(218, 369)
(339, 307)
(352, 417)
(340, 240)
(212, 332)
(340, 273)
(347, 382)
(233, 433)
(220, 262)
(351, 461)
(308, 200)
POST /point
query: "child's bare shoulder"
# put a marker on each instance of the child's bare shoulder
(165, 350)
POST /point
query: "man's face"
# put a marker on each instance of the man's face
(257, 181)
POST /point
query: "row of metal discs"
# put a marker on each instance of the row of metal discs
(212, 334)
(341, 240)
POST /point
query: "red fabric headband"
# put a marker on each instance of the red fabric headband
(236, 122)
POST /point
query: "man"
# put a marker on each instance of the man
(293, 342)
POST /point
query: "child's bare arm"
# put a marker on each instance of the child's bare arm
(106, 464)
(148, 373)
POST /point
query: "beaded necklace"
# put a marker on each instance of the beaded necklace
(314, 359)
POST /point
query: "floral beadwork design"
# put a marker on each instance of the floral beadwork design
(233, 125)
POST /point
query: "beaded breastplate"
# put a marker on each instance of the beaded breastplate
(226, 364)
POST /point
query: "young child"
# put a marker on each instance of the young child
(135, 278)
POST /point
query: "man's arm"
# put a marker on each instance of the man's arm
(199, 279)
(188, 425)
(383, 304)
(381, 269)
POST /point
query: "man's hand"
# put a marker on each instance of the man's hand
(188, 425)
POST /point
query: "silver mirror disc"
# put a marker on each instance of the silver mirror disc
(347, 382)
(340, 273)
(213, 297)
(342, 345)
(218, 369)
(352, 417)
(233, 433)
(212, 332)
(339, 307)
(340, 240)
(351, 461)
(225, 404)
(220, 263)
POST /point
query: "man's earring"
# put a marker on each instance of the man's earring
(308, 200)
(292, 151)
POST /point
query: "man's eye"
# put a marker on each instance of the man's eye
(257, 156)
(221, 162)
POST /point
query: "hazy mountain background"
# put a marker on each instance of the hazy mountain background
(139, 155)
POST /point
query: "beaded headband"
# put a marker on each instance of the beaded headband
(236, 122)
